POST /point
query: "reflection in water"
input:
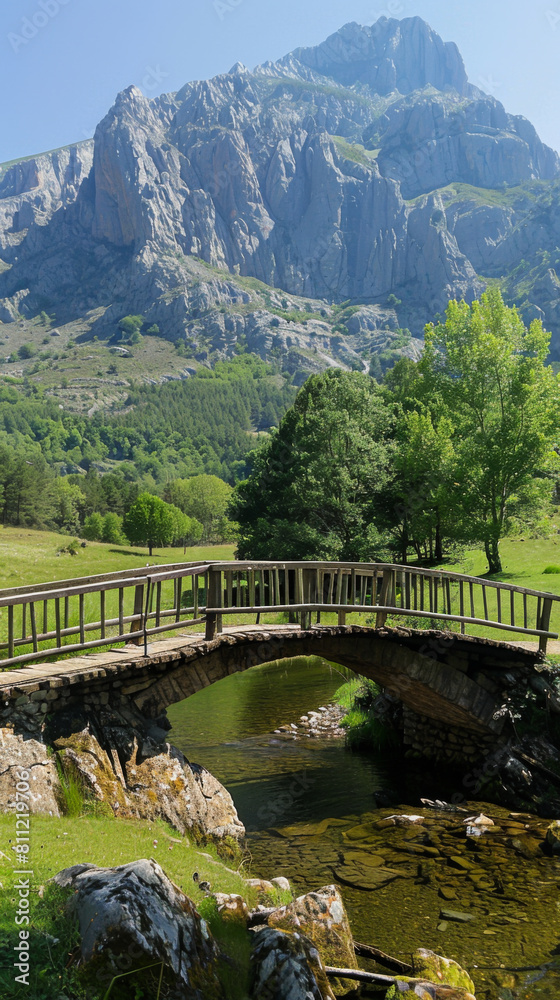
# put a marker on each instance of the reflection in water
(309, 808)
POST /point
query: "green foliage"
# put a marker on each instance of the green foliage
(150, 521)
(112, 529)
(487, 371)
(93, 527)
(363, 728)
(26, 351)
(552, 569)
(204, 425)
(130, 325)
(314, 485)
(205, 498)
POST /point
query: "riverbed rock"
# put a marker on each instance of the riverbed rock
(287, 966)
(437, 969)
(321, 916)
(17, 755)
(425, 990)
(553, 836)
(136, 909)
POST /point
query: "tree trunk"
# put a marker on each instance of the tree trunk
(439, 545)
(404, 545)
(491, 548)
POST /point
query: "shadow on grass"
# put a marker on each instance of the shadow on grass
(128, 552)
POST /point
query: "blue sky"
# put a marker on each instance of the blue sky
(62, 62)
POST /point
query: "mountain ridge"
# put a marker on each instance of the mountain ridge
(316, 176)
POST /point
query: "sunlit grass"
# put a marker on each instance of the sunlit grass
(107, 842)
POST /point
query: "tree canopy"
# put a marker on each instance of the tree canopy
(206, 498)
(150, 521)
(315, 482)
(486, 371)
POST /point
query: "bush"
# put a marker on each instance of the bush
(551, 569)
(26, 351)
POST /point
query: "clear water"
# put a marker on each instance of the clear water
(301, 801)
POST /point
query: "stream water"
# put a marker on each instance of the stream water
(310, 811)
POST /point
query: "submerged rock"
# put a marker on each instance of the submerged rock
(136, 909)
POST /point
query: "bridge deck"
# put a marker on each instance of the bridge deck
(95, 665)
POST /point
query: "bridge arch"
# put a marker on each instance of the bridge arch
(451, 679)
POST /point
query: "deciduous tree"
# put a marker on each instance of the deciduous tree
(488, 369)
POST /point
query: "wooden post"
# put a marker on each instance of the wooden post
(213, 600)
(544, 623)
(136, 623)
(308, 589)
(386, 590)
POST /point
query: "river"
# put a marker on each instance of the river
(309, 808)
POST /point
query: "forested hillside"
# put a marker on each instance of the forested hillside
(204, 424)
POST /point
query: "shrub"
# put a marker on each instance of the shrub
(551, 569)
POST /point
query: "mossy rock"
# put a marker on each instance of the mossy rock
(434, 967)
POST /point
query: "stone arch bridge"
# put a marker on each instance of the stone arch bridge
(451, 685)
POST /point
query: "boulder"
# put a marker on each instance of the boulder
(164, 786)
(287, 966)
(322, 918)
(553, 836)
(136, 910)
(437, 969)
(17, 755)
(185, 795)
(84, 760)
(281, 883)
(232, 908)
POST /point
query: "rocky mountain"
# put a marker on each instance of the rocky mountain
(315, 207)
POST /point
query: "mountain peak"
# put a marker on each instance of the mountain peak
(390, 55)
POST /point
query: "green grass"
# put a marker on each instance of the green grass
(28, 557)
(107, 842)
(355, 151)
(524, 563)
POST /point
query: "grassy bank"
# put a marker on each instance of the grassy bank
(107, 842)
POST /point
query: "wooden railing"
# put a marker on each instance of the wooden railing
(71, 616)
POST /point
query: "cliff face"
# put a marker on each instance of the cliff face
(366, 168)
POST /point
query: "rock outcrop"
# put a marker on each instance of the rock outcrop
(135, 910)
(326, 175)
(121, 760)
(19, 755)
(287, 967)
(155, 781)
